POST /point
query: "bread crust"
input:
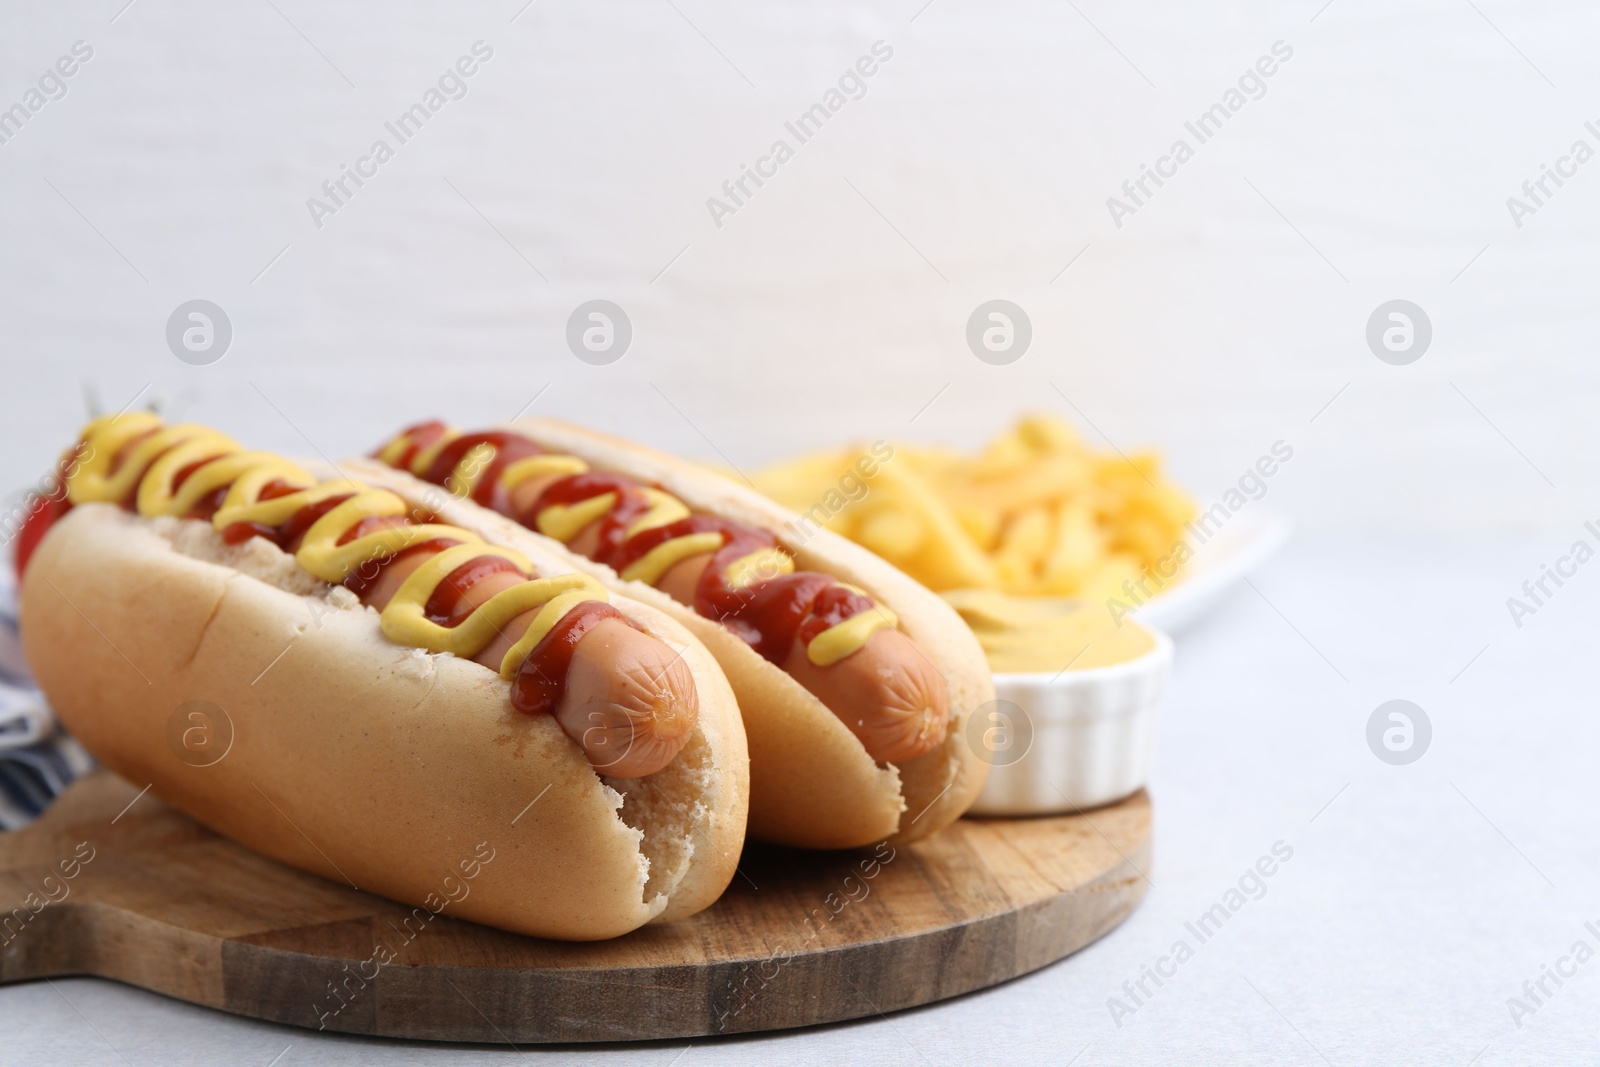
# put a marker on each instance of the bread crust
(812, 782)
(363, 761)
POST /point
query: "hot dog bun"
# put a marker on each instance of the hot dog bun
(363, 761)
(812, 782)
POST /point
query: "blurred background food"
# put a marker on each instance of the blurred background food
(1035, 513)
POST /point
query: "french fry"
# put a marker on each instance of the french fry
(983, 525)
(893, 532)
(948, 557)
(1035, 481)
(1048, 434)
(1034, 513)
(1022, 548)
(806, 479)
(1077, 552)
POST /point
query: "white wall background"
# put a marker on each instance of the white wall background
(1213, 323)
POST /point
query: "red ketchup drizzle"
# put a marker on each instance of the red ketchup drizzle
(43, 511)
(508, 448)
(237, 533)
(123, 455)
(207, 505)
(542, 677)
(417, 438)
(183, 474)
(743, 539)
(835, 605)
(540, 680)
(574, 488)
(768, 614)
(366, 575)
(448, 605)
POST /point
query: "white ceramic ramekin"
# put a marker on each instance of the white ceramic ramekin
(1085, 737)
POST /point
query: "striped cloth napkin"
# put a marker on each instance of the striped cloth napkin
(37, 757)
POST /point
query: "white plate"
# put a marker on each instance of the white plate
(1217, 568)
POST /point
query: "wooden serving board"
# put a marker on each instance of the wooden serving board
(158, 901)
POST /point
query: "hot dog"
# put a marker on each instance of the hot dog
(896, 704)
(804, 629)
(563, 681)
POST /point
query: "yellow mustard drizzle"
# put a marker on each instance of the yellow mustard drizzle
(105, 437)
(321, 553)
(536, 466)
(553, 597)
(659, 560)
(758, 566)
(665, 509)
(843, 638)
(390, 453)
(469, 472)
(150, 468)
(563, 522)
(425, 457)
(155, 490)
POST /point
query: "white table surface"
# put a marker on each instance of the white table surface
(1415, 903)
